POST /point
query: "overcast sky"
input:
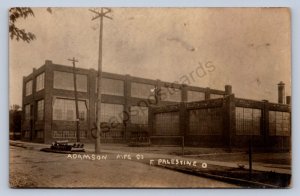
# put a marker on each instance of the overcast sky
(249, 48)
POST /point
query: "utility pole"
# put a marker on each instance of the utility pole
(99, 14)
(76, 99)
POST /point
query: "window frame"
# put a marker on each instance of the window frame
(57, 85)
(28, 89)
(247, 126)
(40, 82)
(62, 111)
(27, 112)
(39, 111)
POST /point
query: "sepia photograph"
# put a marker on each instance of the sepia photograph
(150, 97)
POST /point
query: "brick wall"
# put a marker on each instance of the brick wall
(49, 93)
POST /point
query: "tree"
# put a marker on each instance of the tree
(15, 32)
(15, 107)
(15, 119)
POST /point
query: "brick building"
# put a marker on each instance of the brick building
(49, 105)
(227, 122)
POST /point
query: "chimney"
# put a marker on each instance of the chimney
(228, 89)
(48, 62)
(288, 100)
(281, 92)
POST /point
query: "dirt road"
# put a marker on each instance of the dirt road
(32, 168)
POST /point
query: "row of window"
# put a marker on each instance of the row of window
(40, 110)
(65, 80)
(68, 134)
(115, 113)
(279, 123)
(249, 122)
(147, 91)
(210, 122)
(71, 134)
(36, 134)
(40, 84)
(65, 110)
(202, 121)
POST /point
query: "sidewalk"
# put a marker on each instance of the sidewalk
(152, 153)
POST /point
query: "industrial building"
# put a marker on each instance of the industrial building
(49, 104)
(134, 107)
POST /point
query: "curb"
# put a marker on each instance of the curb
(237, 181)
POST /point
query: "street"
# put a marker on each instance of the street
(33, 168)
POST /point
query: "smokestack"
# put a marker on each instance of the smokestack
(281, 92)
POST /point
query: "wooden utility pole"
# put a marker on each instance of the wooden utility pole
(76, 99)
(99, 14)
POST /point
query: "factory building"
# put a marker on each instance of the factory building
(49, 103)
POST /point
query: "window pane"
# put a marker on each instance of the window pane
(248, 121)
(111, 86)
(279, 123)
(111, 113)
(272, 123)
(81, 81)
(65, 80)
(28, 88)
(195, 96)
(256, 122)
(140, 90)
(216, 96)
(40, 81)
(64, 109)
(170, 94)
(40, 110)
(27, 112)
(82, 108)
(139, 115)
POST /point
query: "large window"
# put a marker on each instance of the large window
(28, 88)
(40, 110)
(26, 133)
(111, 86)
(40, 82)
(206, 121)
(68, 133)
(27, 112)
(170, 94)
(167, 123)
(279, 123)
(39, 134)
(112, 113)
(248, 121)
(65, 81)
(140, 90)
(139, 115)
(216, 96)
(195, 96)
(64, 109)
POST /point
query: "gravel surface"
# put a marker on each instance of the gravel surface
(32, 168)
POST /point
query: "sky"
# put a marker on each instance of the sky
(249, 48)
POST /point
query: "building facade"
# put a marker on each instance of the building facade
(227, 122)
(49, 103)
